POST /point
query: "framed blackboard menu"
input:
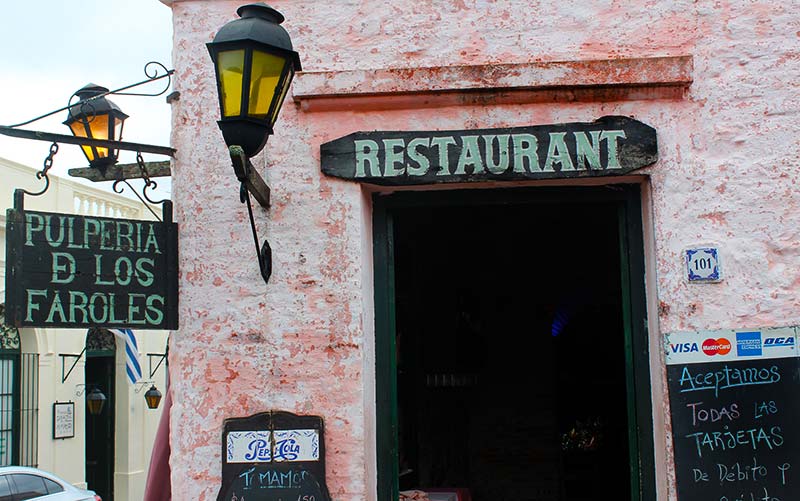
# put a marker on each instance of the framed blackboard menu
(735, 403)
(273, 456)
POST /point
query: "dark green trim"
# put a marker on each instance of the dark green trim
(385, 366)
(634, 313)
(101, 353)
(630, 381)
(638, 352)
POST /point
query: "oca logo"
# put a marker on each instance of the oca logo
(719, 346)
(779, 341)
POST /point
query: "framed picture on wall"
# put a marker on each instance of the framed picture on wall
(63, 420)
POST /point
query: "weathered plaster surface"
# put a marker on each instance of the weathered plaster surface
(654, 71)
(728, 175)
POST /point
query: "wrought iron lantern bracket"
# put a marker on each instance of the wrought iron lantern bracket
(252, 182)
(75, 360)
(153, 71)
(160, 356)
(249, 176)
(140, 385)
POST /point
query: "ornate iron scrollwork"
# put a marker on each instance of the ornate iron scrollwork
(9, 335)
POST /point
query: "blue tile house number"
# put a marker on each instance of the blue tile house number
(702, 264)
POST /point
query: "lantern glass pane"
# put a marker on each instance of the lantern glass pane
(230, 67)
(286, 82)
(153, 401)
(95, 404)
(79, 129)
(117, 129)
(99, 126)
(264, 78)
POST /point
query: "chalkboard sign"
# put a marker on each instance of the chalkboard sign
(273, 456)
(735, 414)
(67, 270)
(611, 145)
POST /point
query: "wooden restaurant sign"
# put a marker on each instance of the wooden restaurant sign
(611, 145)
(65, 270)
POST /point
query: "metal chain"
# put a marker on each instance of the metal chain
(42, 174)
(48, 162)
(148, 183)
(142, 168)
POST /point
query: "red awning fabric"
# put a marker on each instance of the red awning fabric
(158, 486)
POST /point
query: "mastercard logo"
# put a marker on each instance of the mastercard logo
(720, 346)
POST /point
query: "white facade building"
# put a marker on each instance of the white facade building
(109, 453)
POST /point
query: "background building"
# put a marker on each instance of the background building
(110, 452)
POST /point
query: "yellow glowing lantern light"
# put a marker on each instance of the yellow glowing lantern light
(95, 117)
(254, 64)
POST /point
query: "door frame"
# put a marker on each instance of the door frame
(627, 198)
(109, 415)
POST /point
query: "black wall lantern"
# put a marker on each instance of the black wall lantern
(95, 117)
(153, 397)
(95, 400)
(254, 65)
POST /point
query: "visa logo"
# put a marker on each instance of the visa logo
(683, 347)
(779, 341)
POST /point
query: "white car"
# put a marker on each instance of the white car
(18, 483)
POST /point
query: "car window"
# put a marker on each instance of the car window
(29, 486)
(52, 487)
(5, 489)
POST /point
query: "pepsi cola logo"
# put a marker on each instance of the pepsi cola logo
(720, 346)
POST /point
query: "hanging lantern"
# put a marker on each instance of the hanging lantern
(95, 401)
(153, 397)
(95, 117)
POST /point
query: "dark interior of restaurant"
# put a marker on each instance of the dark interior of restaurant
(511, 365)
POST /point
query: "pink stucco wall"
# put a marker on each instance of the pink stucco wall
(728, 174)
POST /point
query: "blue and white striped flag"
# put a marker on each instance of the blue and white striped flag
(132, 364)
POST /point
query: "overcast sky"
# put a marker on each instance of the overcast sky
(51, 48)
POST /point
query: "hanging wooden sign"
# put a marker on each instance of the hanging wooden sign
(612, 145)
(66, 270)
(273, 456)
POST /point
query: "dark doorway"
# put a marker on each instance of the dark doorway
(100, 373)
(514, 365)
